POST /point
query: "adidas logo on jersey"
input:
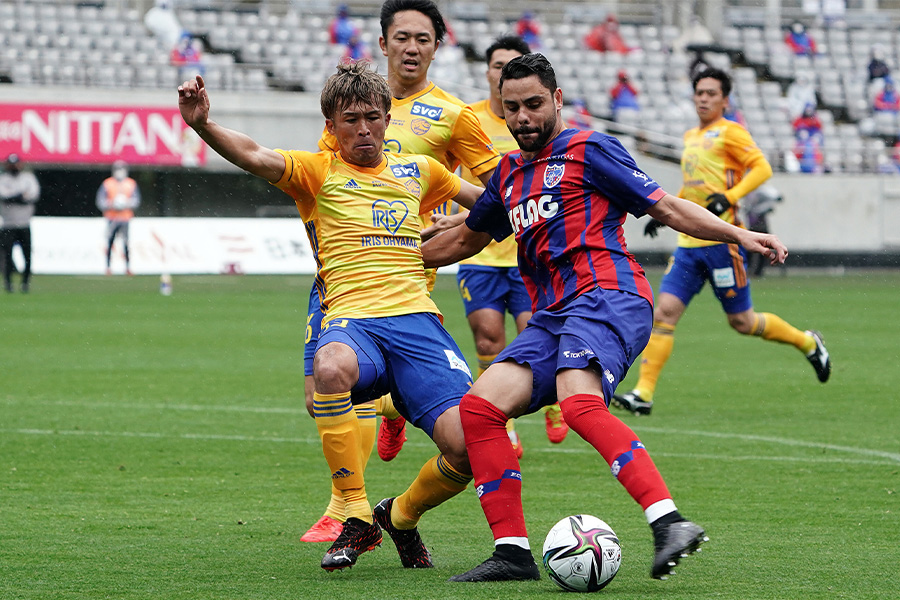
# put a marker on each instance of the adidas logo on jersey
(341, 473)
(352, 185)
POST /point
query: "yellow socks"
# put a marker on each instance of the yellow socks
(654, 358)
(339, 430)
(368, 429)
(774, 328)
(337, 508)
(484, 361)
(384, 406)
(437, 482)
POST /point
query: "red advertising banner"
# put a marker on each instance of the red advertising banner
(60, 133)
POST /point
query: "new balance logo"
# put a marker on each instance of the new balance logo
(341, 473)
(352, 185)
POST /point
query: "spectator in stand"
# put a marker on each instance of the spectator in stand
(799, 41)
(623, 96)
(163, 23)
(808, 152)
(887, 99)
(342, 28)
(357, 50)
(605, 37)
(19, 192)
(878, 68)
(734, 113)
(808, 122)
(187, 55)
(529, 30)
(800, 93)
(582, 117)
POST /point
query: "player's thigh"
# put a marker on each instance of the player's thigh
(685, 274)
(349, 357)
(428, 374)
(727, 268)
(508, 385)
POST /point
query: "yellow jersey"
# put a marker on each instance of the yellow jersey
(495, 254)
(715, 159)
(363, 228)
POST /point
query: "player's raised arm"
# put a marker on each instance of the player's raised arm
(235, 147)
(468, 194)
(690, 218)
(453, 245)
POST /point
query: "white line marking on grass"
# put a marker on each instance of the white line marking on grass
(164, 406)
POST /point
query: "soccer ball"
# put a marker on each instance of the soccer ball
(582, 554)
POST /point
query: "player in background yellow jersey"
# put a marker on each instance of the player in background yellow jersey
(382, 331)
(490, 283)
(720, 164)
(424, 120)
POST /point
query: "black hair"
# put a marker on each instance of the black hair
(713, 73)
(506, 42)
(527, 65)
(426, 7)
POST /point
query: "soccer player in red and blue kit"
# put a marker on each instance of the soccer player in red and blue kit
(564, 196)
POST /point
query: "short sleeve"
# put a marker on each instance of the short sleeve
(327, 141)
(471, 145)
(742, 148)
(488, 215)
(442, 186)
(304, 174)
(615, 175)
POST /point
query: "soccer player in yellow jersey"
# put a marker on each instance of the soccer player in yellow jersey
(721, 164)
(424, 120)
(382, 331)
(489, 283)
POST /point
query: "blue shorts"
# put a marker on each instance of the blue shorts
(412, 357)
(497, 288)
(313, 329)
(723, 265)
(602, 329)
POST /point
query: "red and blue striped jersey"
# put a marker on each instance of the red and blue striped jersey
(566, 208)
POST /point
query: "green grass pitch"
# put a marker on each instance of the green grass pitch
(157, 447)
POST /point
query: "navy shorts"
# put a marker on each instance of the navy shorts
(602, 329)
(412, 357)
(313, 329)
(497, 288)
(723, 265)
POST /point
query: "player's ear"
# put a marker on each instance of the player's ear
(329, 126)
(382, 43)
(387, 119)
(558, 98)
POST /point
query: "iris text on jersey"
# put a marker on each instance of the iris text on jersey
(368, 241)
(389, 215)
(528, 213)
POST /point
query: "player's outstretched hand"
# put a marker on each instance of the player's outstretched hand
(441, 223)
(193, 102)
(718, 204)
(766, 244)
(652, 228)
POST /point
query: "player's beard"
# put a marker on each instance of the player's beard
(545, 132)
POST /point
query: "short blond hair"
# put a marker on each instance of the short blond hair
(354, 83)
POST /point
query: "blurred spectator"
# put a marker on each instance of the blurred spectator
(163, 23)
(809, 123)
(605, 37)
(19, 192)
(808, 151)
(581, 117)
(733, 112)
(887, 99)
(695, 34)
(800, 93)
(187, 55)
(342, 28)
(623, 96)
(878, 68)
(356, 49)
(117, 199)
(886, 166)
(757, 205)
(529, 30)
(799, 41)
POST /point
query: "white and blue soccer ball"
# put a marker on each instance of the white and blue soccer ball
(582, 554)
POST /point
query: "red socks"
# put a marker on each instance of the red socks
(498, 480)
(589, 417)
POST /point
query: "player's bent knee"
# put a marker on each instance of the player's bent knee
(335, 368)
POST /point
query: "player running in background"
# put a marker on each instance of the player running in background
(424, 120)
(382, 331)
(721, 164)
(489, 282)
(565, 197)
